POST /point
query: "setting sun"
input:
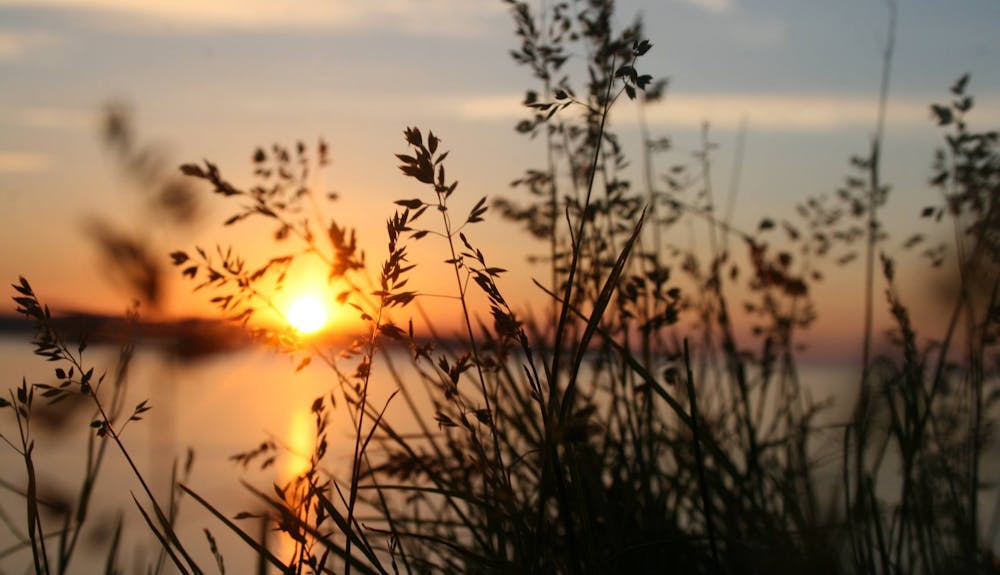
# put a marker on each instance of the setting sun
(307, 314)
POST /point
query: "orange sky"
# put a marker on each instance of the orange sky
(214, 80)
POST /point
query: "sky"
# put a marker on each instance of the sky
(214, 79)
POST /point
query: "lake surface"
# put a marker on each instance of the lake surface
(219, 406)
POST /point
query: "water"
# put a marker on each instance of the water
(219, 406)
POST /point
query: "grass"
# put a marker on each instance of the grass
(628, 428)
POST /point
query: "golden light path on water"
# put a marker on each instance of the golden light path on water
(301, 440)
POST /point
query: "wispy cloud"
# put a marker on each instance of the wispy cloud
(439, 16)
(763, 112)
(724, 21)
(794, 113)
(52, 117)
(717, 6)
(15, 43)
(22, 162)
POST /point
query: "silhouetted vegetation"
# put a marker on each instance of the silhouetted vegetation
(652, 418)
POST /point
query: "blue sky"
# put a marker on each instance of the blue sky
(213, 79)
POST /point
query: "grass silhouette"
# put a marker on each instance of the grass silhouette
(629, 428)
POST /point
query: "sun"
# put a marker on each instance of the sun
(307, 314)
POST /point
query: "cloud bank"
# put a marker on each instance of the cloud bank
(716, 6)
(763, 112)
(460, 17)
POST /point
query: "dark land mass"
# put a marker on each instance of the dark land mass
(186, 338)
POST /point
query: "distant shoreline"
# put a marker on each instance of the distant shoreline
(193, 338)
(188, 337)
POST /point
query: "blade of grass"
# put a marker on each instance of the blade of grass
(594, 321)
(341, 522)
(410, 452)
(477, 559)
(462, 496)
(112, 559)
(647, 378)
(160, 537)
(261, 550)
(168, 529)
(706, 500)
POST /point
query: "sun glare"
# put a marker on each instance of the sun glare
(307, 314)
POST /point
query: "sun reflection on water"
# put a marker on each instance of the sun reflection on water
(301, 442)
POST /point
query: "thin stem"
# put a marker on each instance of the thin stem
(356, 462)
(466, 316)
(875, 193)
(706, 501)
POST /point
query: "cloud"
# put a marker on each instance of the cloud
(53, 117)
(498, 107)
(48, 118)
(763, 112)
(22, 162)
(716, 6)
(794, 113)
(458, 17)
(14, 44)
